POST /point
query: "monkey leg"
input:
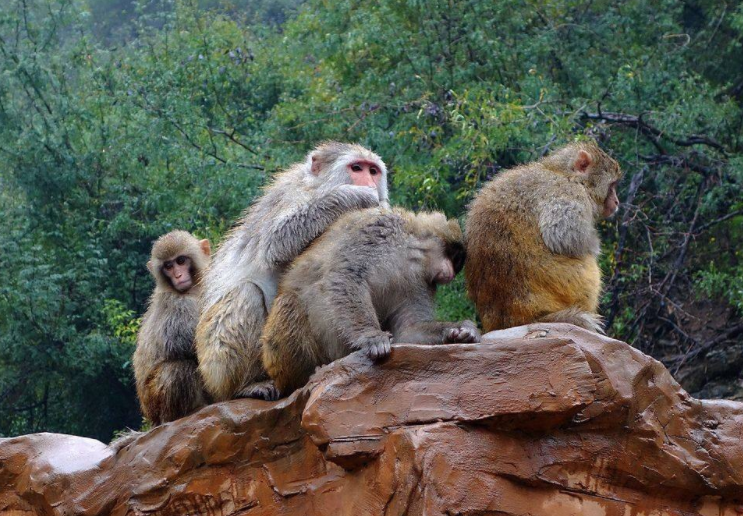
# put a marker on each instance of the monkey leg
(573, 315)
(290, 352)
(173, 391)
(228, 342)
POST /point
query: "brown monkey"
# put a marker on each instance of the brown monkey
(168, 383)
(242, 280)
(369, 279)
(532, 242)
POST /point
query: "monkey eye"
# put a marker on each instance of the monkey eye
(180, 260)
(168, 265)
(373, 171)
(356, 167)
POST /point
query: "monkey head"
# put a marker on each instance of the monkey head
(587, 164)
(446, 255)
(333, 164)
(177, 261)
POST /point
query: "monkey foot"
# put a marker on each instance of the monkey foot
(261, 390)
(466, 333)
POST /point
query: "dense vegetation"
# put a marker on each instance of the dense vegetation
(120, 121)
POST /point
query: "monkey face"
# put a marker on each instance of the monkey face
(333, 164)
(443, 272)
(456, 253)
(611, 202)
(445, 263)
(364, 173)
(179, 273)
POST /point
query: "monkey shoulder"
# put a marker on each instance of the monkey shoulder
(369, 227)
(356, 246)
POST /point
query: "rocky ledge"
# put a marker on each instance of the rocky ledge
(546, 419)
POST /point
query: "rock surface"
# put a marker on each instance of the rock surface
(541, 420)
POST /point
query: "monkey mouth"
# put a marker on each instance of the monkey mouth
(183, 285)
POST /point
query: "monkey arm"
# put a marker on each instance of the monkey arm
(352, 310)
(354, 317)
(567, 228)
(289, 235)
(414, 323)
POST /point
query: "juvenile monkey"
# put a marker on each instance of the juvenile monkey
(242, 280)
(370, 279)
(532, 244)
(165, 369)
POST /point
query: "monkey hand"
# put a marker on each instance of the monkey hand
(376, 346)
(465, 333)
(359, 197)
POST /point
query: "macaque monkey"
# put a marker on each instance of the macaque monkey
(241, 283)
(532, 244)
(168, 383)
(369, 280)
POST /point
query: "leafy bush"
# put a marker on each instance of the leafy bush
(112, 135)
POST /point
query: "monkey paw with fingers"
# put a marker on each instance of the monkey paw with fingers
(364, 196)
(466, 333)
(377, 346)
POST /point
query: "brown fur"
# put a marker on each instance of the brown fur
(168, 383)
(243, 277)
(368, 279)
(532, 242)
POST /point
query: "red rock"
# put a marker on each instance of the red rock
(542, 420)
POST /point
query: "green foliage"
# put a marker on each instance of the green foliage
(173, 114)
(728, 285)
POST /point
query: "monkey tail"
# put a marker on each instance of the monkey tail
(574, 315)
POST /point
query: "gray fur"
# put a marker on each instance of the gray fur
(567, 228)
(125, 439)
(241, 283)
(165, 368)
(361, 286)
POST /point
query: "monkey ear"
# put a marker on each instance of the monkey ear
(151, 266)
(316, 166)
(205, 246)
(582, 162)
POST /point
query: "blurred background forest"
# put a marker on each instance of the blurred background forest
(123, 119)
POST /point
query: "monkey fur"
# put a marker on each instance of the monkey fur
(368, 280)
(241, 282)
(532, 244)
(168, 383)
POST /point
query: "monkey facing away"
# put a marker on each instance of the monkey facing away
(241, 283)
(168, 383)
(368, 280)
(532, 244)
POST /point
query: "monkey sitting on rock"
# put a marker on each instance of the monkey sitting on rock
(241, 283)
(532, 244)
(168, 383)
(368, 281)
